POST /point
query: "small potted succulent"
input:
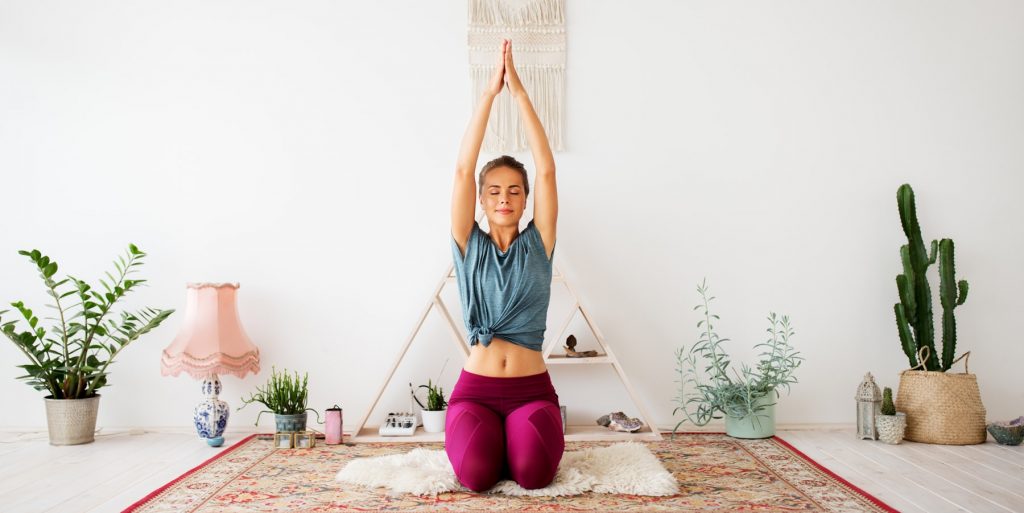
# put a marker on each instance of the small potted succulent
(286, 398)
(890, 424)
(434, 411)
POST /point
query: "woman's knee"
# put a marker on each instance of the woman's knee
(475, 444)
(535, 443)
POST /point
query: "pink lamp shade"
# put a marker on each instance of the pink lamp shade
(212, 340)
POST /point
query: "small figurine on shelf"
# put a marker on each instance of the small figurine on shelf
(571, 352)
(618, 421)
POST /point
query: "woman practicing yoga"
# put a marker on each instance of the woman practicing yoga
(503, 416)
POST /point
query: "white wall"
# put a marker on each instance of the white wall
(306, 151)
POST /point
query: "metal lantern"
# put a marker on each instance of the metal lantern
(869, 405)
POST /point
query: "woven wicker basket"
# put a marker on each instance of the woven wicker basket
(941, 407)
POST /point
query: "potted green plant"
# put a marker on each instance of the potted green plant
(746, 398)
(434, 412)
(285, 396)
(70, 360)
(890, 424)
(941, 406)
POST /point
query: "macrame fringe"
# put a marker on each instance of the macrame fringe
(545, 85)
(530, 12)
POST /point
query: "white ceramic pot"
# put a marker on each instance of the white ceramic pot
(433, 421)
(891, 427)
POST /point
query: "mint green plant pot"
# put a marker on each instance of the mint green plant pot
(760, 425)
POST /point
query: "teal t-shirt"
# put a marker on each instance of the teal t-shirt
(504, 294)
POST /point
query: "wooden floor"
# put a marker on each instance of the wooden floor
(121, 467)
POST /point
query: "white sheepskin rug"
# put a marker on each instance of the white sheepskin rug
(625, 467)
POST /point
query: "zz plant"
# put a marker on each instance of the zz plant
(71, 358)
(720, 389)
(914, 311)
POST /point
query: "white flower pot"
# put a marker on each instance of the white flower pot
(891, 427)
(433, 421)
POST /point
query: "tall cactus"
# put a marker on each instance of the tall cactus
(914, 311)
(951, 297)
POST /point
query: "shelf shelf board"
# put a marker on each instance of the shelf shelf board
(560, 359)
(573, 433)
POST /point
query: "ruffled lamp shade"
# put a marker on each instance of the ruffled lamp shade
(211, 342)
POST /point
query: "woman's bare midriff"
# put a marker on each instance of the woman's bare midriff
(503, 359)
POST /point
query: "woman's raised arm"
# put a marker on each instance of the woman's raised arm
(464, 193)
(545, 195)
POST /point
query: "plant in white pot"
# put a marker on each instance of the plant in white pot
(70, 360)
(890, 423)
(745, 398)
(434, 412)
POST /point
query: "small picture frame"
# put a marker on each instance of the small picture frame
(305, 439)
(284, 440)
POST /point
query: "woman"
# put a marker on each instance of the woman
(503, 416)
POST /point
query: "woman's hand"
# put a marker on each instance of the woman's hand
(515, 87)
(497, 80)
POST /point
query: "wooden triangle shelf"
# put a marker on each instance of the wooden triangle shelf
(649, 431)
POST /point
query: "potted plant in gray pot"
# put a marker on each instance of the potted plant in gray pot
(285, 396)
(746, 399)
(70, 360)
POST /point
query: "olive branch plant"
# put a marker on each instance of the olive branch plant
(716, 393)
(71, 359)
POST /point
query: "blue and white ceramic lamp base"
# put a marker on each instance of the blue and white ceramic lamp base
(211, 415)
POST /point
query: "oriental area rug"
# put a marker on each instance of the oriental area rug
(714, 472)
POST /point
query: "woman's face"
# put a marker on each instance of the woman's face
(503, 198)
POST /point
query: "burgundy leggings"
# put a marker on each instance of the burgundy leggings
(498, 428)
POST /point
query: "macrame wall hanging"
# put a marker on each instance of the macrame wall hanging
(537, 31)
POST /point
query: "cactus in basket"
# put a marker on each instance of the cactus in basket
(914, 311)
(888, 408)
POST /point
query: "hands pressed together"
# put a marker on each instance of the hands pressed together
(505, 73)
